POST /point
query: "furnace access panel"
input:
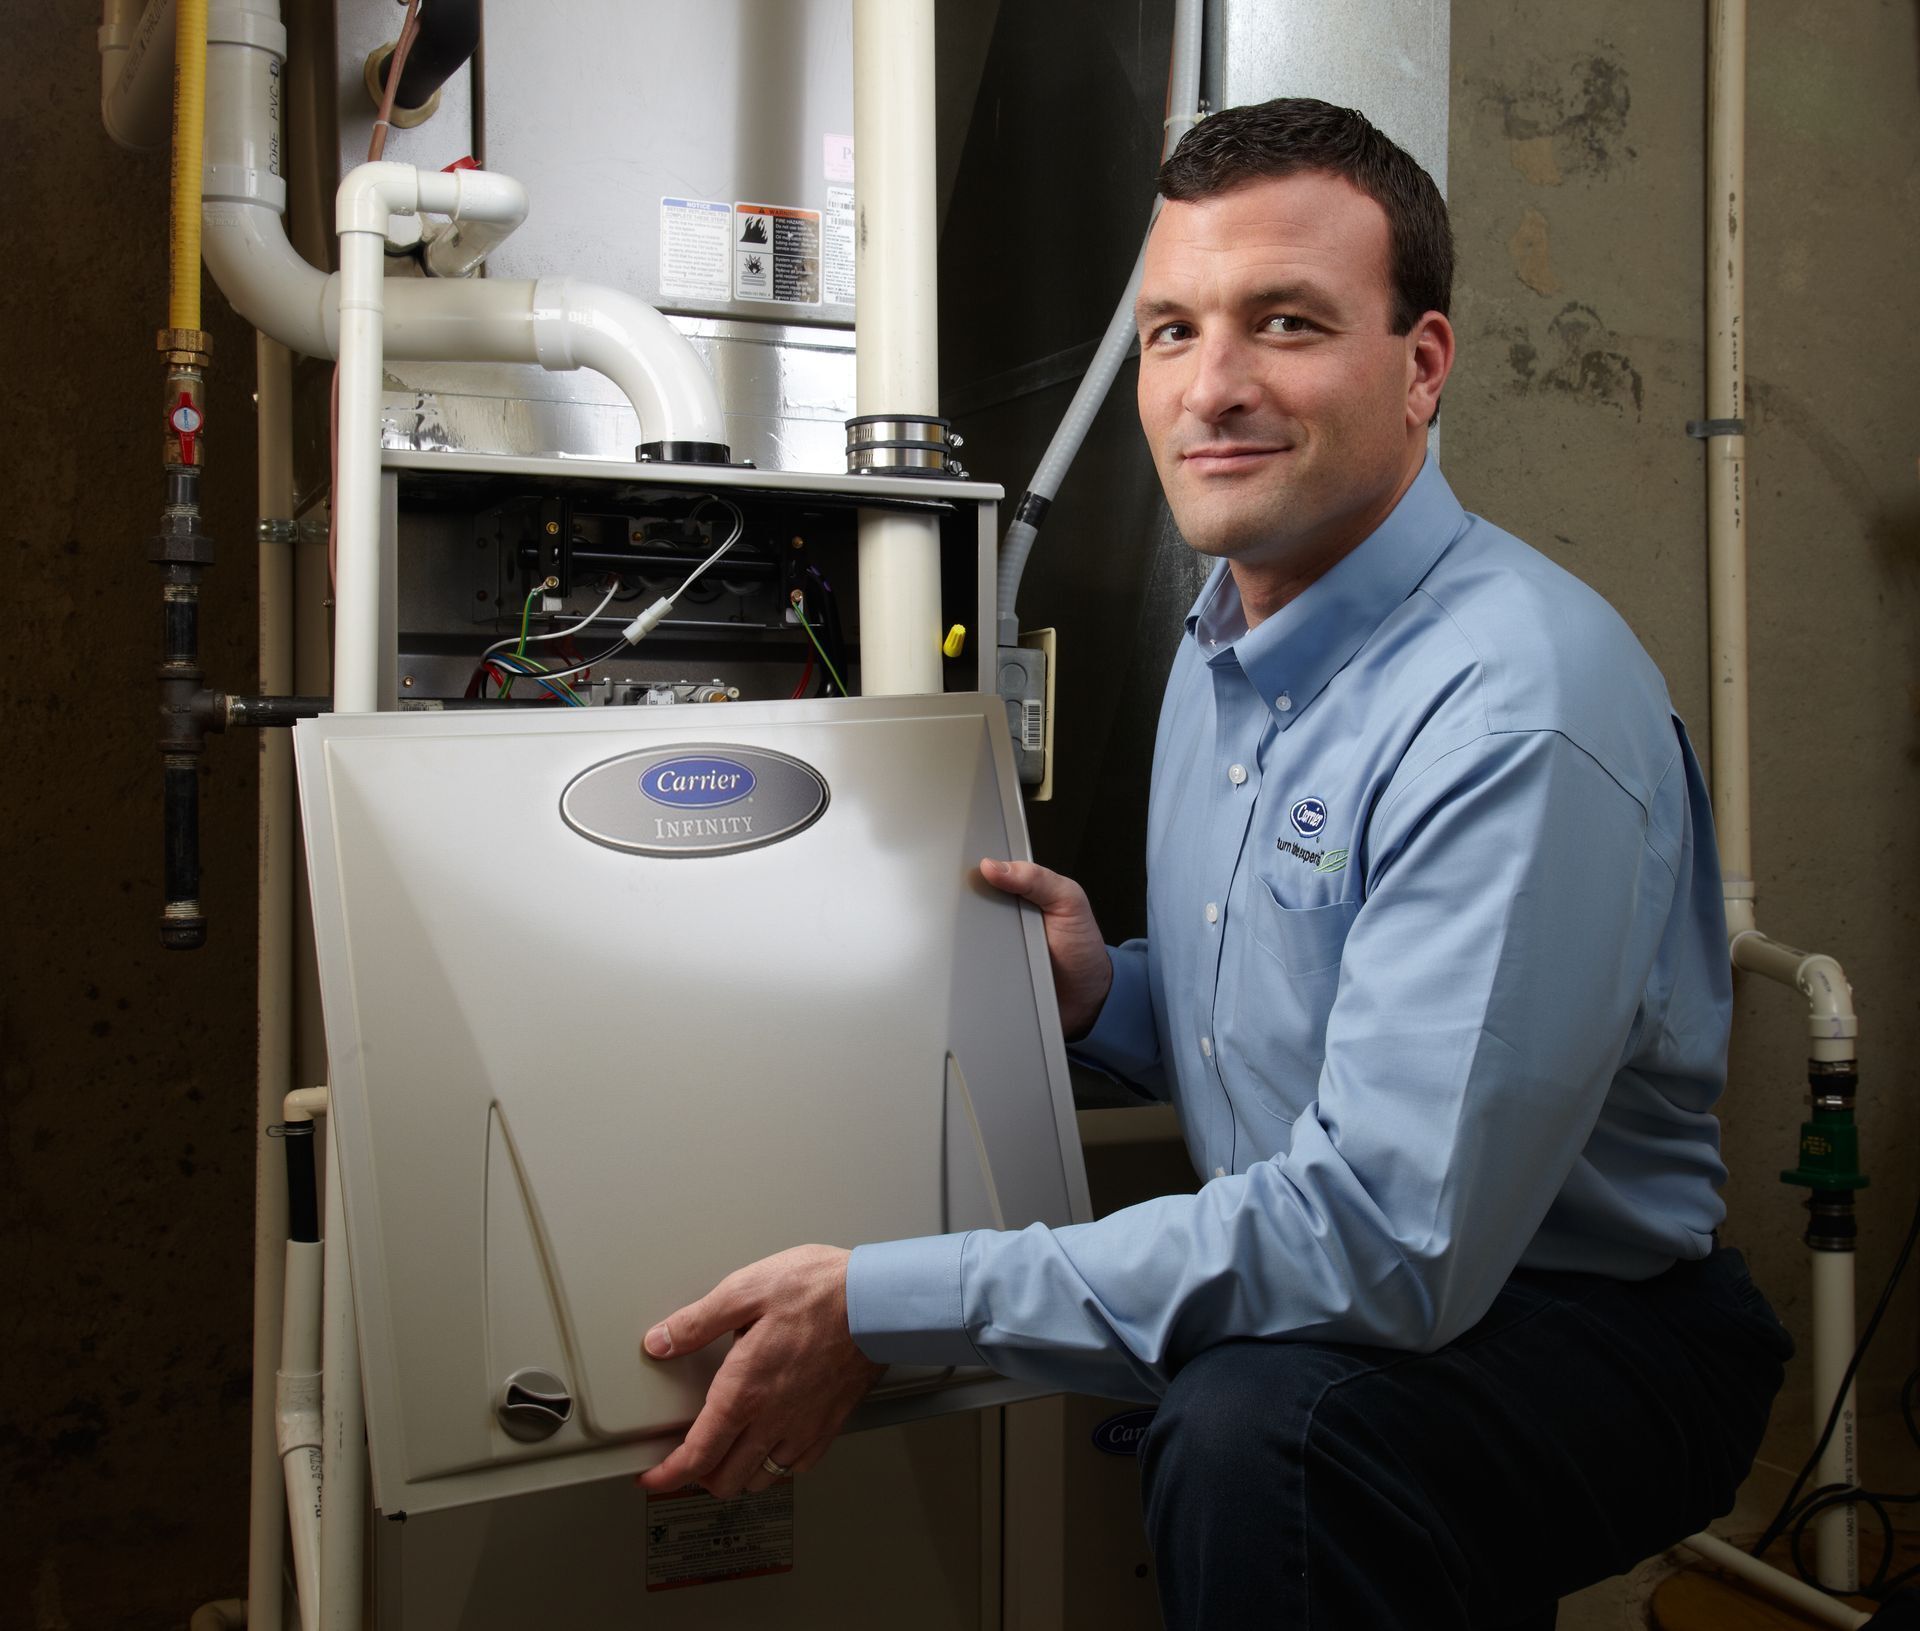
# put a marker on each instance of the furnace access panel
(619, 1000)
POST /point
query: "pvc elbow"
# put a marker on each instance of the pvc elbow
(370, 194)
(583, 325)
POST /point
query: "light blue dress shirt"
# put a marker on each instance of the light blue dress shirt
(1435, 975)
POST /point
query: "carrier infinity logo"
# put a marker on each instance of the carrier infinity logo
(698, 799)
(697, 784)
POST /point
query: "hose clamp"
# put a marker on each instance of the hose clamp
(902, 444)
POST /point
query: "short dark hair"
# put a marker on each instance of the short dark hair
(1267, 140)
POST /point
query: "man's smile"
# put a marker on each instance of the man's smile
(1230, 458)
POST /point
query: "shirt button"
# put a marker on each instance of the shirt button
(1283, 702)
(1206, 1047)
(1236, 774)
(1213, 913)
(1219, 1172)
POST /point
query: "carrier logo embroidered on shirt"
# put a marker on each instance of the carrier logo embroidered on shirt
(1309, 818)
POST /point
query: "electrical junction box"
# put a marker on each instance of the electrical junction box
(619, 1000)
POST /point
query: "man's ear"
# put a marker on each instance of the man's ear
(1429, 361)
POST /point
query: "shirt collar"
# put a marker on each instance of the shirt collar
(1295, 652)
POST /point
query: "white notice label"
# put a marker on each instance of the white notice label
(776, 254)
(836, 255)
(836, 154)
(694, 238)
(695, 1540)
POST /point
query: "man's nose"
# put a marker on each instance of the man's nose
(1223, 380)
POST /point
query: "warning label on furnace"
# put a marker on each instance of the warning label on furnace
(838, 255)
(776, 254)
(695, 1540)
(694, 238)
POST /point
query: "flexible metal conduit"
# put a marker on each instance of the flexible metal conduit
(1183, 110)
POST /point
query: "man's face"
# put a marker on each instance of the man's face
(1284, 415)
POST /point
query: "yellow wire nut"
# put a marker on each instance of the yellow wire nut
(956, 640)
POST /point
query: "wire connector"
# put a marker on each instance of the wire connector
(647, 621)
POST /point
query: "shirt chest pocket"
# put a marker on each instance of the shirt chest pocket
(1286, 975)
(1303, 940)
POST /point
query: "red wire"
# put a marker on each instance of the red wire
(806, 677)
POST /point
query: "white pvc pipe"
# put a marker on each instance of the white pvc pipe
(136, 72)
(1805, 1598)
(369, 196)
(273, 391)
(1833, 1029)
(1836, 1530)
(558, 323)
(896, 350)
(299, 1432)
(1726, 454)
(344, 1516)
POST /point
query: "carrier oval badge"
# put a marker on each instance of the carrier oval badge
(697, 783)
(694, 799)
(1121, 1435)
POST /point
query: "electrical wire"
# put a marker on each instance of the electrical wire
(526, 612)
(628, 639)
(800, 611)
(504, 664)
(806, 675)
(558, 634)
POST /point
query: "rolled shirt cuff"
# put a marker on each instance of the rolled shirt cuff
(905, 1304)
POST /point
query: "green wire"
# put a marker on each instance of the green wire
(800, 612)
(526, 613)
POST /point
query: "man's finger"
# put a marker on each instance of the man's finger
(1044, 888)
(730, 1305)
(713, 1433)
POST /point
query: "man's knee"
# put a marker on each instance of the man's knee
(1233, 1424)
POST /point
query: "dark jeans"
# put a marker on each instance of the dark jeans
(1582, 1426)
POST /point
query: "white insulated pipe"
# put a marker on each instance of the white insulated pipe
(1809, 1601)
(136, 72)
(896, 350)
(369, 197)
(557, 323)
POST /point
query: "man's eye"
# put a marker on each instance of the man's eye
(1287, 323)
(1169, 334)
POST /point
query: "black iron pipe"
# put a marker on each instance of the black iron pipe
(303, 1191)
(449, 34)
(268, 711)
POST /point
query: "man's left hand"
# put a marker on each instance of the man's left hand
(792, 1378)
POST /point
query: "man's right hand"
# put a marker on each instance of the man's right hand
(1082, 971)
